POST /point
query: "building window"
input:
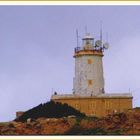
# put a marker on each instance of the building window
(89, 61)
(90, 82)
(107, 105)
(93, 105)
(76, 106)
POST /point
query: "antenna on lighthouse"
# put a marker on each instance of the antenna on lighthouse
(106, 44)
(86, 30)
(101, 32)
(77, 36)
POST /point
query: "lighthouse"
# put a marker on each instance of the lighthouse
(88, 94)
(89, 79)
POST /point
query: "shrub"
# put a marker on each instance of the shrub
(77, 130)
(50, 109)
(94, 131)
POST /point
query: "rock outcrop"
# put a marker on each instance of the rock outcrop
(127, 123)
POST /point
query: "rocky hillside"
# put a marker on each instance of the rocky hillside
(127, 123)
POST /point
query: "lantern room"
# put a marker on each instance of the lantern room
(88, 41)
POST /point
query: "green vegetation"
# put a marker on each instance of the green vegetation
(116, 132)
(77, 130)
(78, 120)
(94, 131)
(137, 108)
(93, 118)
(50, 110)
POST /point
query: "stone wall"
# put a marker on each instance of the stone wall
(95, 106)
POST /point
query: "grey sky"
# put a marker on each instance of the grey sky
(36, 51)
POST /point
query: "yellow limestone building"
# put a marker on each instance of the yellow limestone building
(88, 95)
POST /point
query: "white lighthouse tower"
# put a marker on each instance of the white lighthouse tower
(89, 79)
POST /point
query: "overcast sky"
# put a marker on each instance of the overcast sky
(36, 51)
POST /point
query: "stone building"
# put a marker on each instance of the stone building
(88, 84)
(19, 113)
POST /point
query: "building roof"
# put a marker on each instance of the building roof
(112, 95)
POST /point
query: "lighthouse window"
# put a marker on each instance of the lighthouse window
(89, 61)
(90, 82)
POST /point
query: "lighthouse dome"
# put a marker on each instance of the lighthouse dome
(88, 37)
